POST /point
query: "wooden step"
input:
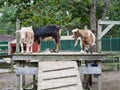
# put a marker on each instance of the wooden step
(58, 75)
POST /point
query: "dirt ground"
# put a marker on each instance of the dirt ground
(110, 81)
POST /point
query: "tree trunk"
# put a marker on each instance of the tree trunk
(93, 19)
(93, 16)
(106, 5)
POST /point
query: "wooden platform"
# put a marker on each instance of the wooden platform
(58, 71)
(58, 56)
(58, 75)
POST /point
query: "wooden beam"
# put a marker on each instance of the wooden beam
(90, 70)
(105, 31)
(109, 22)
(58, 56)
(17, 35)
(101, 33)
(26, 70)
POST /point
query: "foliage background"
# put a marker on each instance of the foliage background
(69, 14)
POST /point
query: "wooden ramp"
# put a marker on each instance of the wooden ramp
(58, 75)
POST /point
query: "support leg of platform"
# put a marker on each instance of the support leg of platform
(99, 78)
(99, 81)
(17, 78)
(118, 65)
(12, 65)
(21, 82)
(20, 79)
(18, 82)
(34, 78)
(87, 77)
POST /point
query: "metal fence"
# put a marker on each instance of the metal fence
(108, 44)
(65, 45)
(3, 48)
(111, 44)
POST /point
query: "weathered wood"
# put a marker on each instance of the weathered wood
(118, 66)
(34, 80)
(101, 33)
(108, 22)
(58, 78)
(58, 56)
(105, 31)
(90, 70)
(51, 71)
(26, 70)
(17, 35)
(18, 85)
(99, 80)
(98, 40)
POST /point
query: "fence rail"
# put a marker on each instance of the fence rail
(108, 44)
(3, 48)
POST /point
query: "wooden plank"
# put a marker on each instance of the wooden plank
(68, 88)
(18, 80)
(54, 66)
(90, 70)
(108, 22)
(98, 40)
(58, 56)
(17, 36)
(105, 31)
(8, 60)
(58, 75)
(26, 70)
(55, 83)
(99, 82)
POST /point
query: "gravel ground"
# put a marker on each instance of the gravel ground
(110, 81)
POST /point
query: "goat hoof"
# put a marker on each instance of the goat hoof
(56, 51)
(31, 52)
(21, 52)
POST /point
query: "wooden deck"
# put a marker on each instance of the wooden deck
(60, 57)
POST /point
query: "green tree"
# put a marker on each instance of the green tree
(7, 20)
(68, 14)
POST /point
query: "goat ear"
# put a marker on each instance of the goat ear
(75, 30)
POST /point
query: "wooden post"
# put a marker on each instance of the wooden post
(17, 35)
(23, 77)
(99, 79)
(118, 65)
(86, 77)
(21, 82)
(99, 82)
(101, 33)
(34, 85)
(17, 78)
(12, 65)
(98, 35)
